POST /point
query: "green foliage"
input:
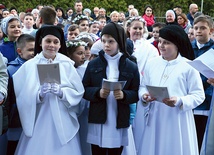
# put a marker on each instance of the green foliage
(159, 6)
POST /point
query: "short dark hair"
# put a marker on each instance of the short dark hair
(100, 17)
(78, 1)
(159, 25)
(48, 15)
(23, 39)
(13, 8)
(28, 14)
(73, 27)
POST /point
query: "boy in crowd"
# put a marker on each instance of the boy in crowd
(102, 20)
(25, 49)
(73, 31)
(203, 28)
(28, 23)
(155, 32)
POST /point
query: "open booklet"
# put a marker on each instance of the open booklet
(159, 93)
(49, 73)
(113, 85)
(204, 63)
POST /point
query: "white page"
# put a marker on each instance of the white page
(113, 85)
(159, 93)
(204, 63)
(49, 73)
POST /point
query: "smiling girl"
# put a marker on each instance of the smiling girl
(11, 27)
(49, 106)
(171, 120)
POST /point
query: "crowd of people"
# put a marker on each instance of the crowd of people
(78, 114)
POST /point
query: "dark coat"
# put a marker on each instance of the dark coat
(92, 81)
(208, 88)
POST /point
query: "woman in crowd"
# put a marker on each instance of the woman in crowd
(183, 22)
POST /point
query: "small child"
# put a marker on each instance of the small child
(11, 27)
(170, 120)
(2, 36)
(28, 23)
(25, 49)
(50, 105)
(155, 32)
(109, 111)
(114, 16)
(102, 20)
(143, 50)
(88, 38)
(203, 27)
(76, 52)
(94, 27)
(83, 22)
(191, 34)
(73, 31)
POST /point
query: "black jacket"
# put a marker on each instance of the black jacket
(92, 81)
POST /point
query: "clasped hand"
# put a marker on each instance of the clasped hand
(53, 88)
(118, 94)
(168, 101)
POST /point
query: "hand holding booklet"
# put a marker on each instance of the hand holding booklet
(204, 63)
(113, 85)
(49, 73)
(159, 93)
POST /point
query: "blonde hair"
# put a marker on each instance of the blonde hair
(113, 13)
(132, 11)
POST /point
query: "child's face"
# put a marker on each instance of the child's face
(110, 45)
(28, 22)
(102, 23)
(202, 32)
(27, 52)
(84, 26)
(155, 33)
(191, 34)
(122, 16)
(5, 14)
(87, 53)
(13, 11)
(1, 34)
(50, 46)
(168, 50)
(14, 30)
(72, 34)
(115, 18)
(78, 56)
(136, 30)
(94, 28)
